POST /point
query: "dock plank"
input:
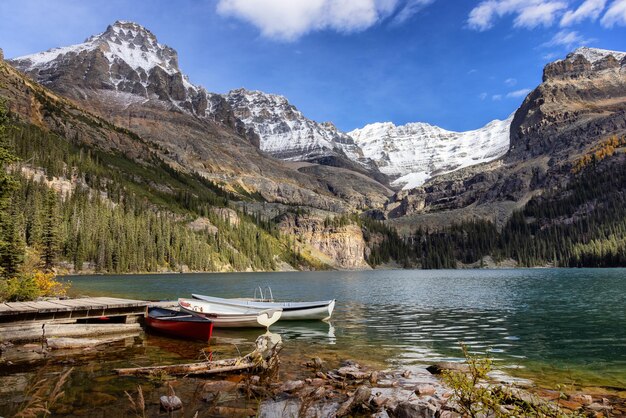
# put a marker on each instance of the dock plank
(49, 306)
(11, 312)
(82, 303)
(119, 301)
(21, 307)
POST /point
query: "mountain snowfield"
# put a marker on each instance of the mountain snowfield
(594, 55)
(416, 152)
(133, 66)
(285, 132)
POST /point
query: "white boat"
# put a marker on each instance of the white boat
(294, 311)
(224, 316)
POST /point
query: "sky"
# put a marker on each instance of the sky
(457, 64)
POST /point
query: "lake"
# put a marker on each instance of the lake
(552, 325)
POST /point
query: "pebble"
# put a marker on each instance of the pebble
(353, 373)
(292, 385)
(374, 377)
(448, 365)
(423, 390)
(171, 403)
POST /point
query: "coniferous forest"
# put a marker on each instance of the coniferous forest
(582, 225)
(101, 212)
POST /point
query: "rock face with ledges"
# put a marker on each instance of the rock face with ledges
(341, 247)
(581, 98)
(285, 133)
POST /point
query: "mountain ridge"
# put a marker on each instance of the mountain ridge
(197, 129)
(147, 71)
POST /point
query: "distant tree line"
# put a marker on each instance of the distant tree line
(582, 225)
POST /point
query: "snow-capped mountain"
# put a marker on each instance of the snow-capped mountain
(125, 67)
(126, 59)
(416, 152)
(287, 134)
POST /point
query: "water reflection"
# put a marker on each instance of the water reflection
(563, 318)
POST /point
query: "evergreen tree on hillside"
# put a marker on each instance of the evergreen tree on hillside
(11, 249)
(50, 233)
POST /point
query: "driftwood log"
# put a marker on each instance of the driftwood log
(264, 357)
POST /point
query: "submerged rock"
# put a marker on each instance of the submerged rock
(291, 386)
(293, 407)
(171, 403)
(414, 410)
(439, 368)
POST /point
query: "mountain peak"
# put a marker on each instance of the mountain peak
(584, 61)
(595, 54)
(122, 41)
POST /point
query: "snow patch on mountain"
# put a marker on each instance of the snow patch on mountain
(125, 41)
(285, 132)
(416, 152)
(594, 55)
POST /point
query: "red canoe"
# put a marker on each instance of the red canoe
(179, 324)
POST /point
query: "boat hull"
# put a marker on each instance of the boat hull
(292, 311)
(231, 317)
(181, 325)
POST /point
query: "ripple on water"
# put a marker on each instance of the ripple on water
(556, 317)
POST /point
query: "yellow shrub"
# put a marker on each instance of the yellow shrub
(48, 285)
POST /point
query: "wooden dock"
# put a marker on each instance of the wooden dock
(71, 310)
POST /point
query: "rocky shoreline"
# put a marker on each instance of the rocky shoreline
(319, 388)
(417, 392)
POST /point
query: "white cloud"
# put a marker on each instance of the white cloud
(510, 82)
(518, 93)
(567, 39)
(482, 96)
(496, 97)
(409, 9)
(540, 14)
(528, 13)
(615, 15)
(290, 19)
(589, 9)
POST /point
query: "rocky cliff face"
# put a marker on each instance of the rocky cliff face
(581, 102)
(285, 133)
(581, 98)
(341, 247)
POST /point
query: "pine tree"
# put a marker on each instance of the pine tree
(50, 235)
(11, 252)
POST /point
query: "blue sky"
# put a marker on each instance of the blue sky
(454, 63)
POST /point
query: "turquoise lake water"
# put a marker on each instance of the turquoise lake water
(553, 325)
